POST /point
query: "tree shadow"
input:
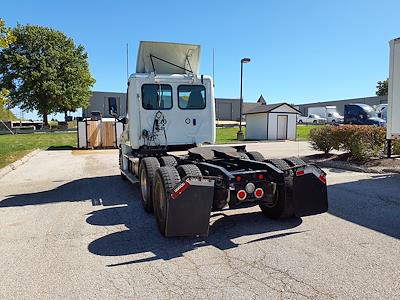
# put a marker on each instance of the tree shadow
(61, 147)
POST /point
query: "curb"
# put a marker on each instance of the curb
(7, 169)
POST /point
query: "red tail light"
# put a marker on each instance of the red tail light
(300, 173)
(322, 178)
(241, 195)
(259, 192)
(261, 177)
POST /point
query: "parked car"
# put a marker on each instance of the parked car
(311, 119)
(361, 114)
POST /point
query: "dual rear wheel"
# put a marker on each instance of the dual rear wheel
(157, 183)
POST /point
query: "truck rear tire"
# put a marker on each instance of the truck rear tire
(147, 170)
(280, 164)
(282, 206)
(188, 170)
(294, 161)
(167, 161)
(166, 178)
(254, 155)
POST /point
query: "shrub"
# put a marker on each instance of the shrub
(322, 139)
(362, 142)
(396, 147)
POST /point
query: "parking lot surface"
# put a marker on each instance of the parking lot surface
(71, 228)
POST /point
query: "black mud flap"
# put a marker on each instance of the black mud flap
(310, 195)
(189, 208)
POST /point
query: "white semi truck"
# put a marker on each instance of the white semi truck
(170, 106)
(327, 112)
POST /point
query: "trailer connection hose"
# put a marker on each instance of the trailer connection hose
(159, 124)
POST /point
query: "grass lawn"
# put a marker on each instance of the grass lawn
(303, 132)
(13, 147)
(228, 135)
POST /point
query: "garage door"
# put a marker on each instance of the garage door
(224, 111)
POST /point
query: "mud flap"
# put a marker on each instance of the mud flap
(189, 208)
(310, 195)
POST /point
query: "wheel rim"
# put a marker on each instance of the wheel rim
(160, 202)
(274, 200)
(143, 185)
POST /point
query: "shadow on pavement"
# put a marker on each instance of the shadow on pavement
(106, 190)
(142, 235)
(373, 203)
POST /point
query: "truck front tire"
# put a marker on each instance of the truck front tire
(147, 170)
(166, 178)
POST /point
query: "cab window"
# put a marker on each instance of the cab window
(156, 96)
(191, 97)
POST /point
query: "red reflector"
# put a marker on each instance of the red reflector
(241, 195)
(238, 178)
(180, 189)
(322, 178)
(300, 173)
(259, 193)
(261, 177)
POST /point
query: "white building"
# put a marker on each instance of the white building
(271, 122)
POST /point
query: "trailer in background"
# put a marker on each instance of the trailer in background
(393, 111)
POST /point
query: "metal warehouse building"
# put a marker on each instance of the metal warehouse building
(225, 108)
(104, 102)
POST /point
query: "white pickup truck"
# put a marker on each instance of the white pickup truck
(311, 119)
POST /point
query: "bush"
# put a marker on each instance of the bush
(396, 147)
(322, 138)
(362, 142)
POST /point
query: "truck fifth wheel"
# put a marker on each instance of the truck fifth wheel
(171, 107)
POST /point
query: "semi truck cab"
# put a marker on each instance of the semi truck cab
(361, 114)
(170, 106)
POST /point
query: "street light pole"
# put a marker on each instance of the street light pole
(240, 135)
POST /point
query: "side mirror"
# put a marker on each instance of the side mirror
(123, 120)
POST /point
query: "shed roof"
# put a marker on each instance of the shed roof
(268, 108)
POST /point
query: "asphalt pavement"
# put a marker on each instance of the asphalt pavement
(70, 228)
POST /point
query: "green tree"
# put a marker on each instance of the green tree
(44, 70)
(382, 88)
(6, 38)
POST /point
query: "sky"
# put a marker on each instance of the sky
(301, 51)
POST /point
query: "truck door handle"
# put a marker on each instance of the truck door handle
(194, 122)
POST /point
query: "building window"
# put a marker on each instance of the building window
(192, 96)
(112, 105)
(156, 96)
